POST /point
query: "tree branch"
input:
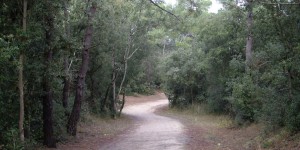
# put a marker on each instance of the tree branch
(266, 3)
(151, 1)
(132, 53)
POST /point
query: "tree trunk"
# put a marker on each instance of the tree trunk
(66, 15)
(91, 99)
(114, 76)
(124, 76)
(49, 140)
(21, 78)
(107, 94)
(21, 92)
(290, 85)
(149, 70)
(66, 89)
(123, 103)
(126, 57)
(75, 115)
(103, 102)
(121, 88)
(163, 52)
(249, 43)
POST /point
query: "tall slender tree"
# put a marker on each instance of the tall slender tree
(249, 43)
(21, 78)
(49, 140)
(75, 115)
(113, 108)
(66, 89)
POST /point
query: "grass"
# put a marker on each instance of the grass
(281, 139)
(199, 115)
(105, 125)
(212, 131)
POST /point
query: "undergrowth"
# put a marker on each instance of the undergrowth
(281, 138)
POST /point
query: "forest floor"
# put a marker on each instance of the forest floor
(214, 132)
(165, 128)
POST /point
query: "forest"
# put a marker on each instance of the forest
(60, 59)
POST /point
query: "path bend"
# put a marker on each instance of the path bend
(151, 131)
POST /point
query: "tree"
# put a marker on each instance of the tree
(67, 82)
(249, 40)
(20, 79)
(75, 115)
(49, 140)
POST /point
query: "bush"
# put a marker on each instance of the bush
(293, 116)
(12, 140)
(244, 101)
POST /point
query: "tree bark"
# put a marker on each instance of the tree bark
(66, 89)
(114, 76)
(249, 44)
(75, 115)
(91, 99)
(123, 103)
(163, 52)
(66, 15)
(126, 57)
(21, 78)
(21, 94)
(49, 140)
(103, 102)
(124, 76)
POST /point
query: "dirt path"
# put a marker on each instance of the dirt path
(142, 129)
(148, 124)
(151, 131)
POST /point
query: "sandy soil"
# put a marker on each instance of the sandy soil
(138, 128)
(151, 131)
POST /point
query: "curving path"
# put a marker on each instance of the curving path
(151, 132)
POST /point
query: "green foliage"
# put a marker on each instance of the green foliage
(8, 88)
(267, 91)
(244, 101)
(182, 75)
(11, 137)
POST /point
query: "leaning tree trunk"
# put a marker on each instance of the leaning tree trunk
(21, 80)
(121, 88)
(249, 43)
(126, 57)
(49, 140)
(75, 115)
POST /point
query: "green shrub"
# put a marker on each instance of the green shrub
(12, 140)
(245, 104)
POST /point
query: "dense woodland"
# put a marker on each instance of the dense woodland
(61, 59)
